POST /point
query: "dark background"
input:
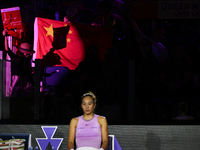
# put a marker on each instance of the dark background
(182, 30)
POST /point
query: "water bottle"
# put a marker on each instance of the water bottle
(30, 148)
(52, 148)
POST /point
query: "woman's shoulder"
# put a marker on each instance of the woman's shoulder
(74, 120)
(101, 118)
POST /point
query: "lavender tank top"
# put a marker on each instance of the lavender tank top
(88, 132)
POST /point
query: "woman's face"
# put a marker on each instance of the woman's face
(88, 105)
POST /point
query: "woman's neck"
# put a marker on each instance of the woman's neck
(88, 117)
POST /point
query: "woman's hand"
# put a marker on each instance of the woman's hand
(5, 32)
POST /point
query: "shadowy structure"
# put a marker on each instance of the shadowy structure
(59, 42)
(153, 141)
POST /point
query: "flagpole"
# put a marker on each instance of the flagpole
(37, 89)
(1, 87)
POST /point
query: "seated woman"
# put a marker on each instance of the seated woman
(90, 130)
(182, 110)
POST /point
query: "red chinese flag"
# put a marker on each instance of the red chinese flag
(63, 44)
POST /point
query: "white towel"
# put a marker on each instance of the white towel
(87, 148)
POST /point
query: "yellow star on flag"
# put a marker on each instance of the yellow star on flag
(68, 40)
(49, 30)
(70, 31)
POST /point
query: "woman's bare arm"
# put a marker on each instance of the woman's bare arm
(6, 39)
(104, 131)
(72, 130)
